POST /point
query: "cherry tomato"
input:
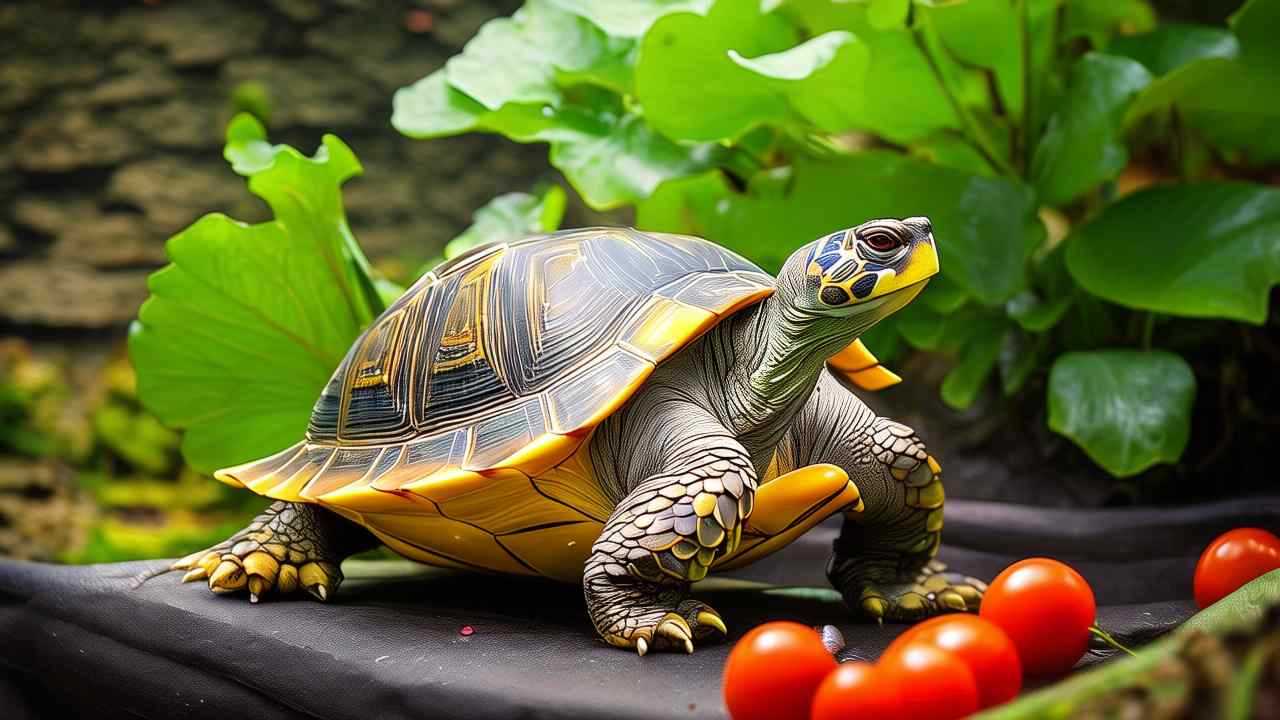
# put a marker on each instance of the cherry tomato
(773, 672)
(981, 644)
(857, 690)
(1233, 559)
(1046, 609)
(932, 683)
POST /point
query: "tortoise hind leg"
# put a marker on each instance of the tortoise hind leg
(288, 548)
(883, 562)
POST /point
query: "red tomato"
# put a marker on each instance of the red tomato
(932, 683)
(981, 644)
(1046, 609)
(773, 672)
(1233, 559)
(857, 690)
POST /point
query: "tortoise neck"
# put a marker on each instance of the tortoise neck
(780, 352)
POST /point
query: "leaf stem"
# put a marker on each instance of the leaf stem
(977, 136)
(1109, 639)
(1148, 330)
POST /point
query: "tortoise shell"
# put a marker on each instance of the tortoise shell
(455, 421)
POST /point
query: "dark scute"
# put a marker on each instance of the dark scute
(864, 286)
(832, 295)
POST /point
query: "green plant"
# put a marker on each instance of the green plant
(1091, 174)
(247, 322)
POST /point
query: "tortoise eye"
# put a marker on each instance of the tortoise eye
(882, 240)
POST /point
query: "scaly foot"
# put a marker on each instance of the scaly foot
(281, 550)
(665, 629)
(933, 592)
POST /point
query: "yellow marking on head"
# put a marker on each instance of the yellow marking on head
(922, 265)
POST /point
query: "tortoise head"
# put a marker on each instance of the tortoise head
(878, 266)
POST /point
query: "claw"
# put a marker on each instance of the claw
(953, 600)
(287, 580)
(258, 586)
(227, 577)
(319, 592)
(675, 629)
(209, 562)
(876, 607)
(707, 617)
(194, 574)
(642, 646)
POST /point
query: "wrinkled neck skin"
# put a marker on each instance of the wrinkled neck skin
(779, 350)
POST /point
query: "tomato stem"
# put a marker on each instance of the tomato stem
(1109, 639)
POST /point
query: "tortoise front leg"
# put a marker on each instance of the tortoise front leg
(290, 547)
(666, 533)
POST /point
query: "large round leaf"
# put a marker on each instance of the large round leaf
(1198, 250)
(244, 327)
(1128, 410)
(689, 85)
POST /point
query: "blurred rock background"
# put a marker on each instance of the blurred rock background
(111, 131)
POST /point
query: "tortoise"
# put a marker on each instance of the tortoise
(624, 409)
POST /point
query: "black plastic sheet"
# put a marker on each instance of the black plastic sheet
(106, 641)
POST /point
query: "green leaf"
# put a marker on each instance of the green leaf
(1098, 20)
(244, 327)
(980, 223)
(943, 296)
(1230, 102)
(1196, 250)
(1257, 24)
(510, 217)
(1128, 410)
(515, 59)
(689, 84)
(1082, 145)
(977, 359)
(988, 34)
(888, 14)
(629, 18)
(899, 97)
(809, 75)
(1172, 45)
(613, 162)
(610, 158)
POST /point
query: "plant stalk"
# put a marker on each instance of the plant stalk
(973, 130)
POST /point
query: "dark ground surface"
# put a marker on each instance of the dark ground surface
(102, 641)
